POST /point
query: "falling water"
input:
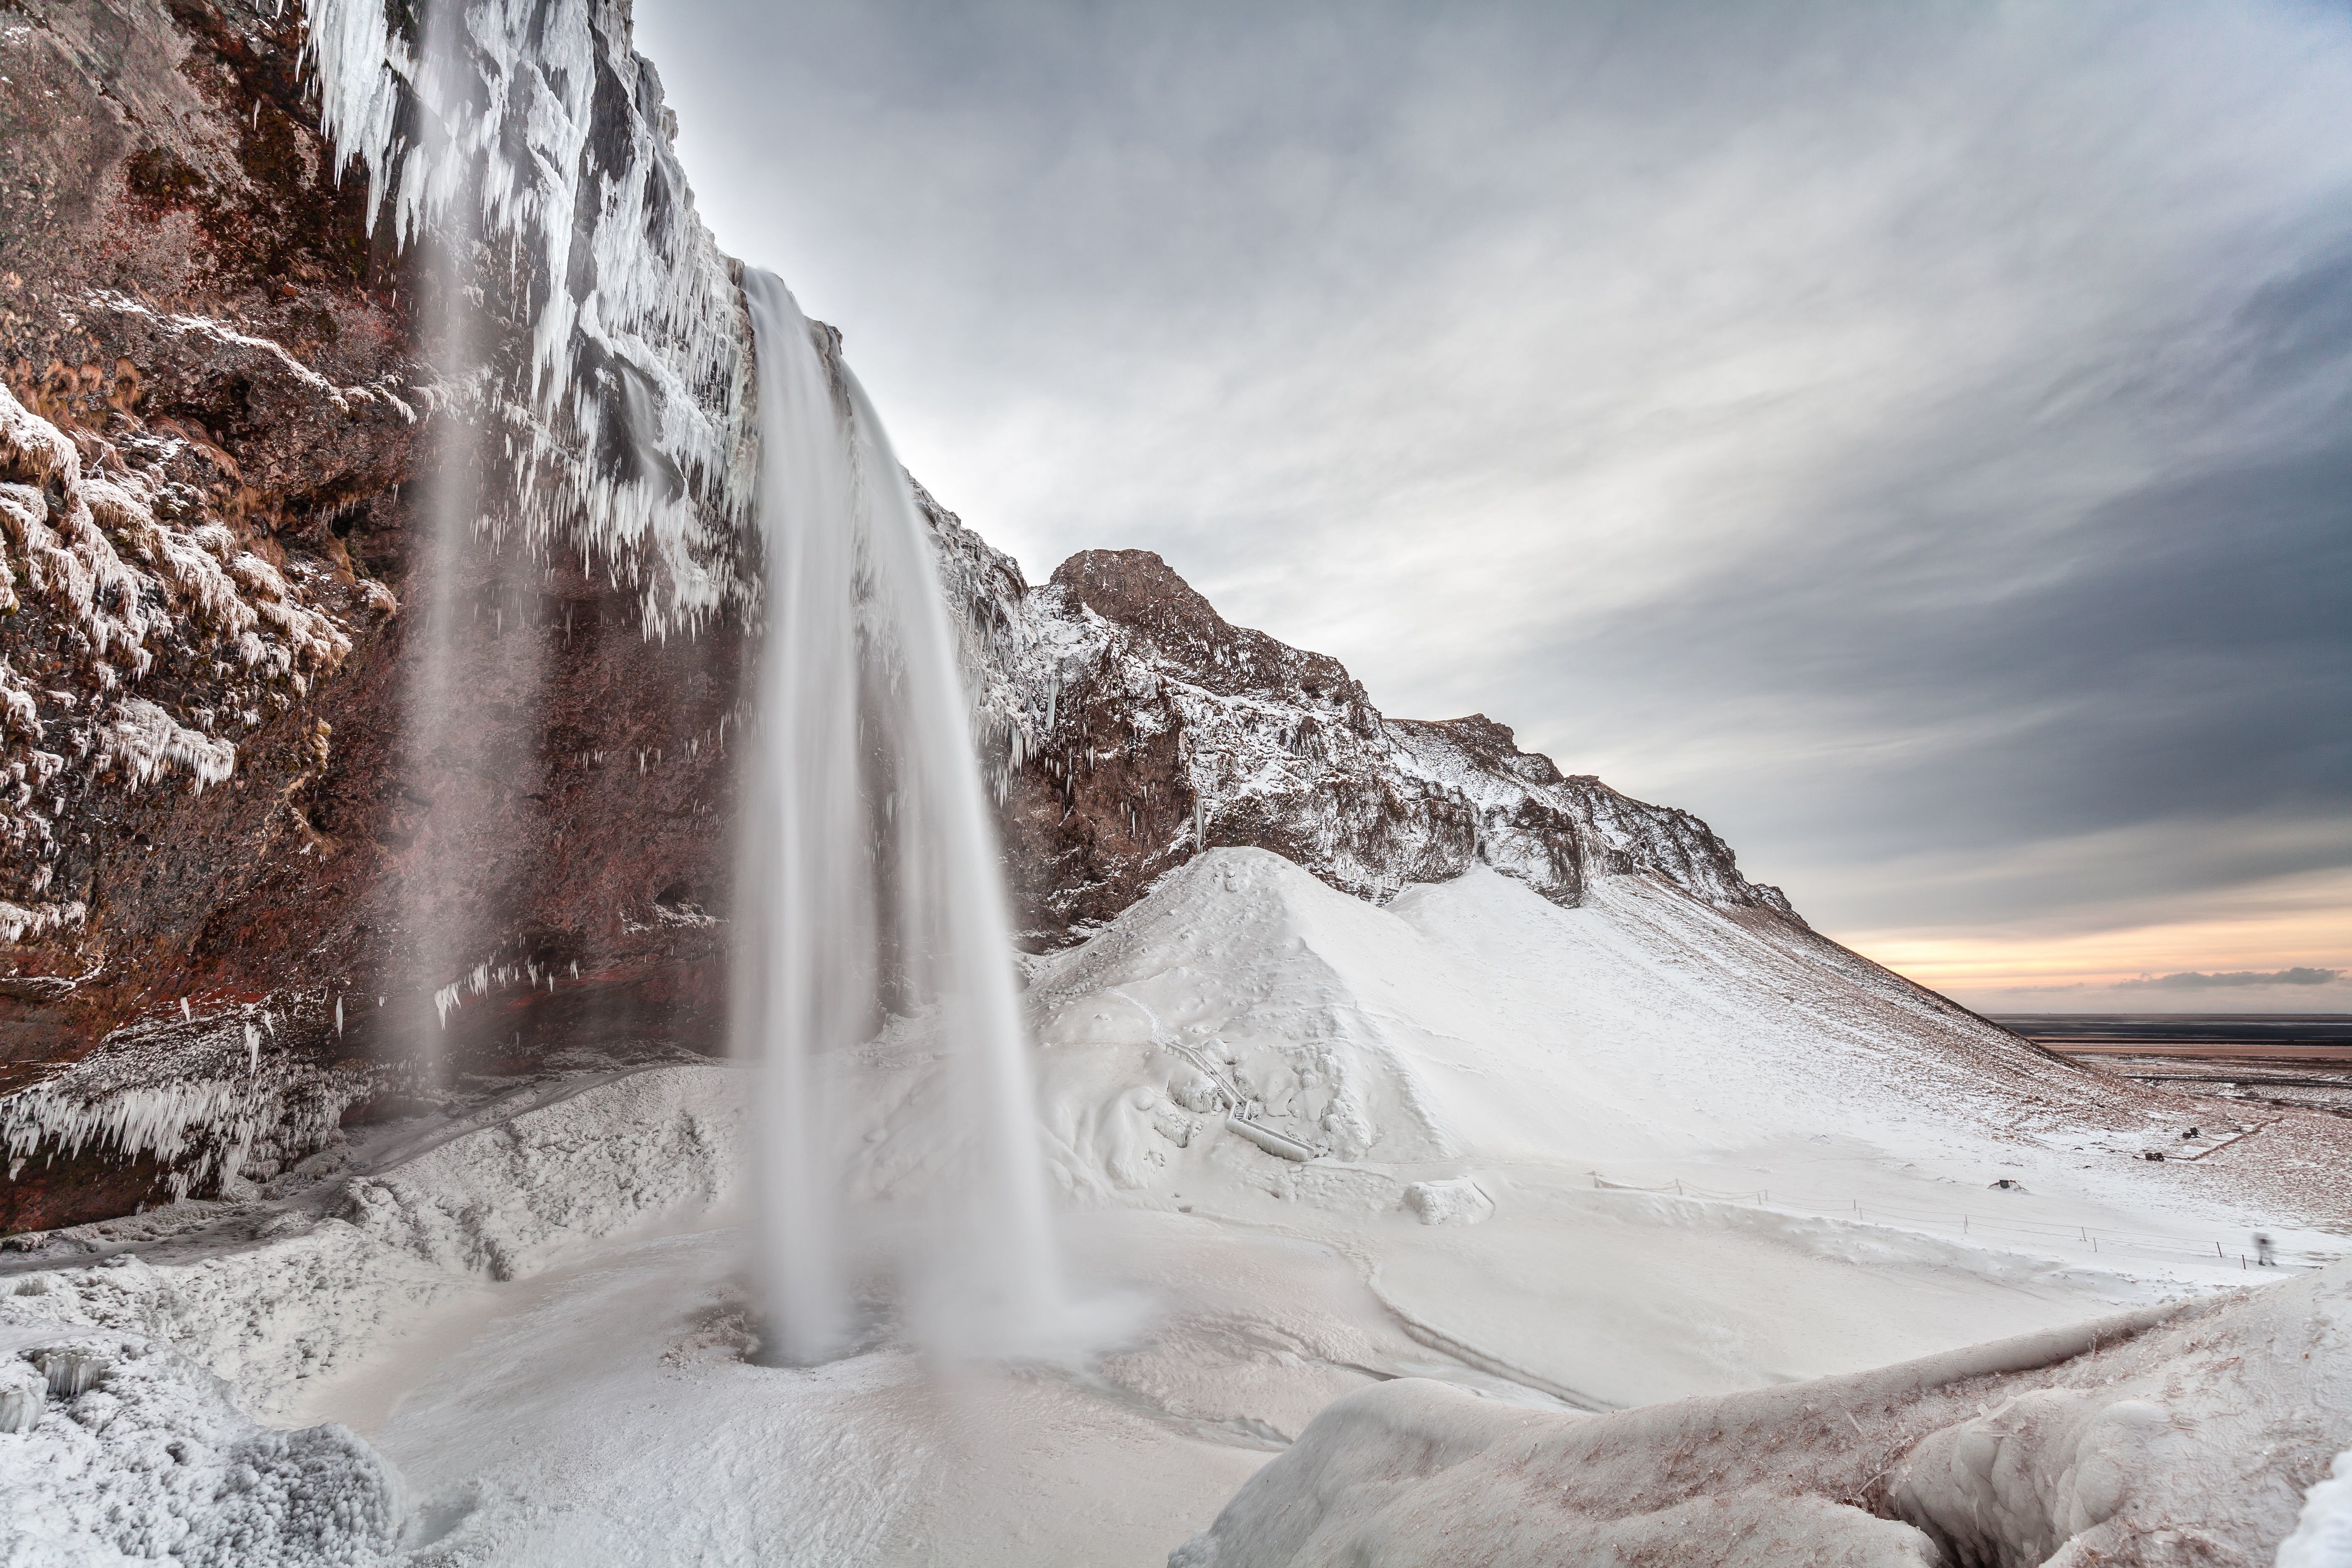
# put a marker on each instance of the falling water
(472, 683)
(870, 876)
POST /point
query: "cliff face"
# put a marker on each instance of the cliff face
(226, 845)
(282, 820)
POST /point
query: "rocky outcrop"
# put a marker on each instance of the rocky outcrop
(1131, 726)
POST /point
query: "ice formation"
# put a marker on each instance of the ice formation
(532, 143)
(136, 1455)
(2175, 1435)
(869, 870)
(183, 637)
(198, 1096)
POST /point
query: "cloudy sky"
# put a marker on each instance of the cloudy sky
(1913, 438)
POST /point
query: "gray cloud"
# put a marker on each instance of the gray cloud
(1913, 437)
(2232, 980)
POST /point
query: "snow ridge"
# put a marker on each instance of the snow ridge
(2128, 1440)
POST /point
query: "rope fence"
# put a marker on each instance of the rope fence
(2096, 1239)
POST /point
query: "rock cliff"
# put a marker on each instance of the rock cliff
(275, 813)
(1130, 726)
(219, 443)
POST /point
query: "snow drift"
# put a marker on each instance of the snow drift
(135, 1446)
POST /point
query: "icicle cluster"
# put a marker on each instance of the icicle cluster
(616, 342)
(205, 1100)
(123, 566)
(491, 974)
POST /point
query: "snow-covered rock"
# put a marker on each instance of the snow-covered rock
(1130, 726)
(140, 1455)
(2175, 1435)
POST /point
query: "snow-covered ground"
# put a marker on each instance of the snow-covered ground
(533, 1318)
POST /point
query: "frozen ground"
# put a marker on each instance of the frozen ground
(533, 1319)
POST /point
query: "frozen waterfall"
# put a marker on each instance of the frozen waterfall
(869, 882)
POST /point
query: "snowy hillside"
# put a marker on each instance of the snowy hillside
(1474, 1020)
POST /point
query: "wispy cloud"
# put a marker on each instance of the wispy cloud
(2236, 979)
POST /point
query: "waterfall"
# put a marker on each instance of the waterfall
(437, 721)
(868, 880)
(474, 658)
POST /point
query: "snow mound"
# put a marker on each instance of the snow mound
(137, 1456)
(1460, 1201)
(2322, 1538)
(504, 1200)
(1476, 1021)
(305, 1294)
(2173, 1435)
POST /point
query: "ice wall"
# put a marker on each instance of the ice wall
(614, 376)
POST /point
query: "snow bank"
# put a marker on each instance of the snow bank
(119, 1440)
(138, 1456)
(304, 1294)
(2322, 1538)
(504, 1200)
(2173, 1435)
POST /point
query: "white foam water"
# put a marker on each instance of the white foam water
(869, 882)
